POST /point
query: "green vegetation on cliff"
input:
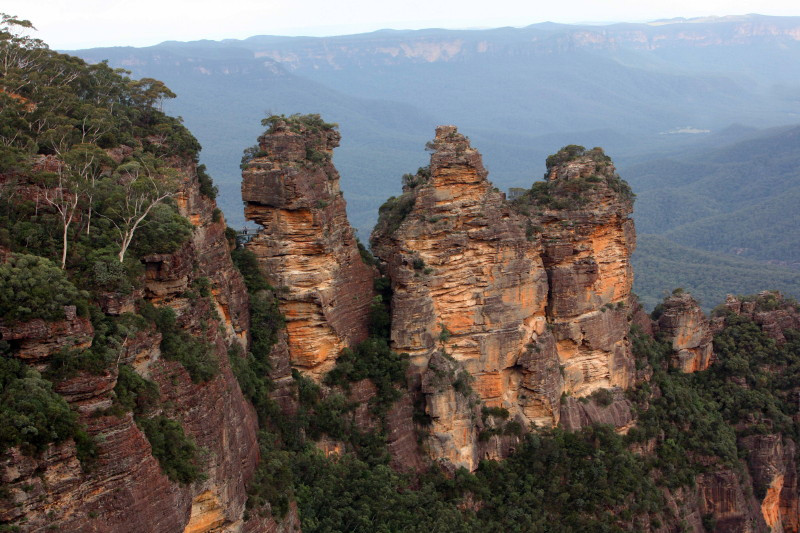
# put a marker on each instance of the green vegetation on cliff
(573, 193)
(90, 167)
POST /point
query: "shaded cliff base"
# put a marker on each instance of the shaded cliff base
(712, 450)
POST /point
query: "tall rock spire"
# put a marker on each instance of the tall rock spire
(582, 211)
(469, 299)
(306, 247)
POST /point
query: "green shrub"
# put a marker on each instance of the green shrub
(497, 412)
(195, 354)
(207, 187)
(33, 287)
(33, 414)
(176, 452)
(165, 232)
(133, 392)
(273, 479)
(110, 333)
(393, 211)
(372, 359)
(297, 123)
(247, 264)
(603, 397)
(366, 255)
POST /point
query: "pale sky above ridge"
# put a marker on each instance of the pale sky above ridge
(73, 24)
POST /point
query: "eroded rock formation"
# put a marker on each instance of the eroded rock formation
(306, 246)
(769, 309)
(125, 489)
(582, 212)
(683, 324)
(506, 306)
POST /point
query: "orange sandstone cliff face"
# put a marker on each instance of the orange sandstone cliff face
(588, 239)
(506, 306)
(306, 246)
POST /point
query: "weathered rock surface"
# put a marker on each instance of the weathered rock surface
(616, 411)
(36, 340)
(467, 282)
(306, 246)
(773, 467)
(126, 490)
(588, 238)
(721, 494)
(683, 324)
(769, 309)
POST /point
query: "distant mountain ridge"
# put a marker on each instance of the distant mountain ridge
(519, 93)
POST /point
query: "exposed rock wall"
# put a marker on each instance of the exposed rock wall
(306, 246)
(530, 300)
(683, 324)
(773, 468)
(126, 490)
(588, 240)
(616, 411)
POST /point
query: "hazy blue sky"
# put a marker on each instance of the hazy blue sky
(70, 24)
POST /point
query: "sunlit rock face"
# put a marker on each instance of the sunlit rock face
(306, 247)
(469, 298)
(588, 238)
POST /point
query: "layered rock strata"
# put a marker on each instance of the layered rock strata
(683, 324)
(469, 297)
(582, 212)
(125, 489)
(306, 246)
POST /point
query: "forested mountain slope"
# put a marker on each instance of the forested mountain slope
(158, 375)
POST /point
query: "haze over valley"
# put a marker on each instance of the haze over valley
(670, 101)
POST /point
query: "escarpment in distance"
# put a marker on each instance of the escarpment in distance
(306, 246)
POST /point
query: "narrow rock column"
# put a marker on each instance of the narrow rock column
(683, 324)
(582, 213)
(306, 247)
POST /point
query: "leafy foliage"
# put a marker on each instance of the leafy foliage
(195, 354)
(392, 213)
(298, 122)
(372, 359)
(34, 415)
(33, 287)
(133, 392)
(176, 452)
(61, 119)
(572, 193)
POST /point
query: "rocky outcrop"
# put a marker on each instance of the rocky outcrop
(768, 309)
(683, 324)
(125, 488)
(723, 495)
(37, 339)
(773, 467)
(529, 300)
(605, 407)
(306, 247)
(582, 212)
